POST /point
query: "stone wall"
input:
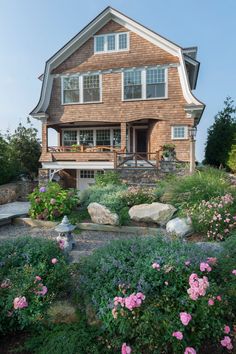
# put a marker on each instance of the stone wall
(16, 191)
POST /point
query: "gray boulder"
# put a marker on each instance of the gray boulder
(102, 215)
(158, 213)
(179, 226)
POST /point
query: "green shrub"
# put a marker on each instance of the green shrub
(21, 261)
(215, 217)
(77, 338)
(187, 191)
(110, 177)
(51, 202)
(126, 268)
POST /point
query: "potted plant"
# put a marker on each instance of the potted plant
(169, 152)
(75, 148)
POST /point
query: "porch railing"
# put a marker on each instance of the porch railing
(136, 159)
(83, 148)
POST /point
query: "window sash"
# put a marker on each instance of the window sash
(116, 137)
(111, 42)
(179, 132)
(69, 137)
(145, 83)
(86, 137)
(103, 137)
(71, 92)
(91, 88)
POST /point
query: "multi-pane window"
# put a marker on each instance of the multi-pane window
(70, 137)
(179, 132)
(111, 42)
(71, 89)
(86, 137)
(86, 173)
(91, 88)
(145, 83)
(155, 79)
(132, 84)
(116, 137)
(123, 38)
(103, 137)
(100, 41)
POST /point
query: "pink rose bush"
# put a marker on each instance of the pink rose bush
(185, 318)
(226, 342)
(198, 286)
(214, 217)
(130, 302)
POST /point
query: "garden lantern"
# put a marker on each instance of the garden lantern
(192, 135)
(65, 238)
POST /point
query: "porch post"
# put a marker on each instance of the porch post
(44, 137)
(192, 156)
(123, 135)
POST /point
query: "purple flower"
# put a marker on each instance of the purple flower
(42, 189)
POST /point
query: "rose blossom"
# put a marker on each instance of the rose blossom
(211, 302)
(20, 302)
(156, 266)
(187, 263)
(125, 349)
(54, 260)
(185, 318)
(38, 278)
(190, 350)
(219, 298)
(178, 335)
(212, 260)
(43, 291)
(204, 266)
(226, 329)
(234, 272)
(226, 342)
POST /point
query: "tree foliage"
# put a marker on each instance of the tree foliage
(19, 153)
(221, 135)
(232, 157)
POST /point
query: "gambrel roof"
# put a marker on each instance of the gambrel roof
(187, 57)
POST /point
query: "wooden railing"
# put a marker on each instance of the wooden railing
(83, 148)
(136, 159)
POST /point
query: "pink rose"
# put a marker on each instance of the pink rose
(125, 349)
(204, 266)
(156, 266)
(234, 272)
(178, 335)
(185, 318)
(54, 260)
(212, 260)
(38, 278)
(190, 350)
(187, 263)
(20, 302)
(226, 342)
(211, 302)
(43, 291)
(219, 298)
(226, 329)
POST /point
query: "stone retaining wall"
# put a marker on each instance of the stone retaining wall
(16, 191)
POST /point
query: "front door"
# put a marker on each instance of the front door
(141, 141)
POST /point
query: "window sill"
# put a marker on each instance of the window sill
(113, 51)
(179, 139)
(80, 103)
(145, 99)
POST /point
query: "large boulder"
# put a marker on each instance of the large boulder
(102, 215)
(156, 212)
(180, 227)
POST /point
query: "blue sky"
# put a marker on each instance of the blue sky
(31, 32)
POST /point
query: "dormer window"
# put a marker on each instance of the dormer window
(112, 42)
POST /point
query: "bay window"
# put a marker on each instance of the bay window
(145, 83)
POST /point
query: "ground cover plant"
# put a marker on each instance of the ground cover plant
(154, 296)
(51, 202)
(33, 273)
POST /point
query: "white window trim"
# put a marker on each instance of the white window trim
(94, 133)
(116, 34)
(81, 91)
(143, 83)
(185, 132)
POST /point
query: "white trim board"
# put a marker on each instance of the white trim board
(92, 28)
(90, 165)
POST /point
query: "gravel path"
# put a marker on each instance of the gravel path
(86, 241)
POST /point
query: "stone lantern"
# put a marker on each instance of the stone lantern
(65, 238)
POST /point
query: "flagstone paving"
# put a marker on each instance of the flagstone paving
(13, 210)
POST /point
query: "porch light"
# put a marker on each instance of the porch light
(65, 238)
(192, 132)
